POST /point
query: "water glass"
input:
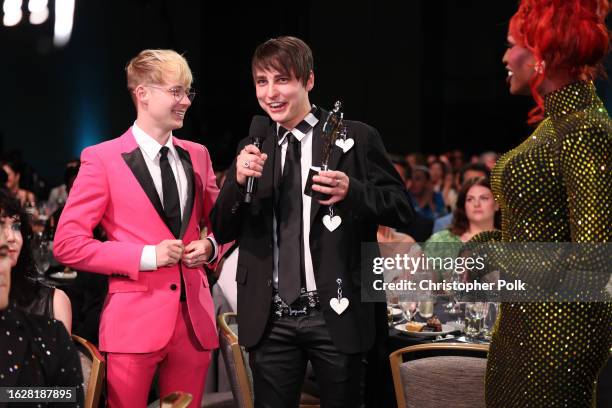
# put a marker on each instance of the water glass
(426, 309)
(41, 253)
(490, 316)
(474, 319)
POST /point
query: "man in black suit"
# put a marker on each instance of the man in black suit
(299, 267)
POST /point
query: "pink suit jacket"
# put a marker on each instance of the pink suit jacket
(114, 188)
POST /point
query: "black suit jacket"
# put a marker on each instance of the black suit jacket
(376, 196)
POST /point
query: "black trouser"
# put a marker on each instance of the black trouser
(279, 362)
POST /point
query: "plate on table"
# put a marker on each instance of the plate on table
(446, 329)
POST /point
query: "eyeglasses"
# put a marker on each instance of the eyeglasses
(178, 92)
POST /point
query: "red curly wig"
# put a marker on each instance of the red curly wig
(568, 36)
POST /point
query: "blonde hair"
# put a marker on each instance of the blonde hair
(153, 66)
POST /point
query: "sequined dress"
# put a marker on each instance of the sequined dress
(554, 187)
(37, 352)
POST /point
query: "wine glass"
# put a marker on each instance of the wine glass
(457, 276)
(41, 253)
(408, 306)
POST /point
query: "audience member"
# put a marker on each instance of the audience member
(420, 227)
(476, 212)
(29, 294)
(58, 195)
(468, 171)
(489, 159)
(36, 351)
(425, 200)
(14, 170)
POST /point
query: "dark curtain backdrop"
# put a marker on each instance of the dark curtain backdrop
(427, 74)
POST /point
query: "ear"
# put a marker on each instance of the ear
(310, 82)
(141, 94)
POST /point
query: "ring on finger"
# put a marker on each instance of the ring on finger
(246, 164)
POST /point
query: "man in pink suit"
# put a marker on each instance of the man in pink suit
(152, 194)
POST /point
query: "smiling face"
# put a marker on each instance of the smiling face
(283, 96)
(519, 63)
(159, 81)
(480, 206)
(163, 105)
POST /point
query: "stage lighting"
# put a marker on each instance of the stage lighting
(39, 13)
(64, 18)
(12, 12)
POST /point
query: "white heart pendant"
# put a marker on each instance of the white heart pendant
(339, 306)
(331, 223)
(345, 144)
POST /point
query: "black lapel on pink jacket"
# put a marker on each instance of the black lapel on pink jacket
(136, 163)
(188, 167)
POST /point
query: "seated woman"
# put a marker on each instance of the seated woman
(476, 212)
(40, 352)
(13, 170)
(29, 295)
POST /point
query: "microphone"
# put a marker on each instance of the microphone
(258, 132)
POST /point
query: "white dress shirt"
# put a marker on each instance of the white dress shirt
(150, 151)
(305, 163)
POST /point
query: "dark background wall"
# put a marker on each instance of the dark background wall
(427, 74)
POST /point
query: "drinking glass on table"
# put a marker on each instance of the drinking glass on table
(393, 302)
(41, 253)
(426, 306)
(408, 306)
(457, 276)
(474, 316)
(389, 316)
(490, 316)
(392, 297)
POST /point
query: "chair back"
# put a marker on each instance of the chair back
(93, 366)
(176, 399)
(235, 361)
(455, 378)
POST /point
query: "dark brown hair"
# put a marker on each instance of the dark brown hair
(288, 55)
(460, 222)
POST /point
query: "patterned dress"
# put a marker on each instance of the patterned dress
(554, 187)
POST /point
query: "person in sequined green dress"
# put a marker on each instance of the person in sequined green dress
(556, 186)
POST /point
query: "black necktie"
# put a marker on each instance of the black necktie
(290, 241)
(172, 204)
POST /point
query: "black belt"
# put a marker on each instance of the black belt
(306, 302)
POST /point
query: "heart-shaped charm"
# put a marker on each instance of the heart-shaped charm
(345, 144)
(331, 223)
(339, 306)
